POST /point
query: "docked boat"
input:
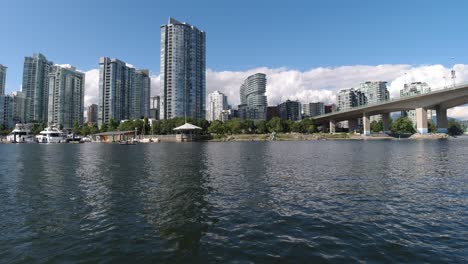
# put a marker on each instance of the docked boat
(127, 142)
(21, 134)
(51, 135)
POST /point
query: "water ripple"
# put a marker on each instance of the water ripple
(251, 202)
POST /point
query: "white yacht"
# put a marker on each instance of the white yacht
(21, 134)
(51, 134)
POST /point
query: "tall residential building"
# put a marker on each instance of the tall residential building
(182, 70)
(290, 110)
(412, 89)
(35, 87)
(313, 109)
(349, 98)
(3, 71)
(116, 82)
(329, 108)
(272, 111)
(12, 109)
(252, 96)
(155, 107)
(66, 96)
(92, 114)
(140, 97)
(217, 104)
(6, 111)
(376, 92)
(19, 106)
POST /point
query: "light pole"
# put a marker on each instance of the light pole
(453, 71)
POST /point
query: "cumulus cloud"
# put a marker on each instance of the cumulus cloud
(91, 87)
(155, 85)
(318, 84)
(68, 66)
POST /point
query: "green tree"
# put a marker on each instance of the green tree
(454, 128)
(4, 131)
(431, 126)
(287, 125)
(304, 126)
(146, 125)
(130, 125)
(38, 127)
(297, 127)
(216, 127)
(76, 128)
(113, 125)
(85, 130)
(276, 125)
(156, 128)
(234, 126)
(248, 126)
(308, 126)
(262, 127)
(94, 129)
(402, 125)
(104, 128)
(376, 126)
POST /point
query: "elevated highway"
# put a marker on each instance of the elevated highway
(439, 100)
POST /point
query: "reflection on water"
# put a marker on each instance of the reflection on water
(379, 201)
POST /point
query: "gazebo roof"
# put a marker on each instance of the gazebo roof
(187, 126)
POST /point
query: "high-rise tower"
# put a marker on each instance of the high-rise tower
(140, 97)
(36, 87)
(252, 96)
(182, 70)
(3, 71)
(116, 82)
(66, 96)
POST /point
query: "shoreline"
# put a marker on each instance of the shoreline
(313, 137)
(297, 137)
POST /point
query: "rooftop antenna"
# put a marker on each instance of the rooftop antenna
(406, 81)
(453, 72)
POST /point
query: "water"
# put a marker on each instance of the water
(262, 202)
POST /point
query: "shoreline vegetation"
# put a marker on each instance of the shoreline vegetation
(276, 129)
(317, 136)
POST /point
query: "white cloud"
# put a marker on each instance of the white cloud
(155, 85)
(68, 66)
(91, 87)
(318, 84)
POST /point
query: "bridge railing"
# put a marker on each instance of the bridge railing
(435, 91)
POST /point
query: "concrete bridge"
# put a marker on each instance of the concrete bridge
(438, 100)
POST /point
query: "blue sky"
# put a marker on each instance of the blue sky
(241, 35)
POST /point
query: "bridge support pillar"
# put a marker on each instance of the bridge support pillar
(366, 124)
(421, 121)
(442, 122)
(386, 123)
(352, 125)
(332, 126)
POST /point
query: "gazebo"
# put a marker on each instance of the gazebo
(186, 132)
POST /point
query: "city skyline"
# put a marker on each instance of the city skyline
(314, 78)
